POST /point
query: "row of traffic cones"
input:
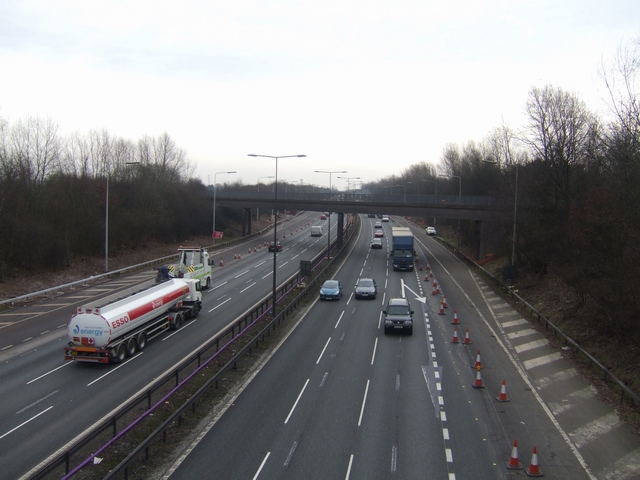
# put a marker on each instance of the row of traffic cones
(467, 338)
(514, 462)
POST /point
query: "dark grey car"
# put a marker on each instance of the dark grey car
(398, 316)
(366, 288)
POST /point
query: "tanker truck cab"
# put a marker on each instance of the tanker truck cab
(116, 328)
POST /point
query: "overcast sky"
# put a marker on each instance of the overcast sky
(370, 87)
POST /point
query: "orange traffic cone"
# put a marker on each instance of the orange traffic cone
(478, 383)
(434, 292)
(431, 273)
(444, 302)
(478, 365)
(467, 339)
(503, 393)
(455, 318)
(249, 250)
(441, 312)
(438, 288)
(514, 462)
(455, 335)
(426, 278)
(534, 469)
(221, 262)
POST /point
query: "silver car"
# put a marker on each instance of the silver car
(366, 288)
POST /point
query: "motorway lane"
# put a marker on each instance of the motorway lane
(417, 413)
(350, 402)
(45, 399)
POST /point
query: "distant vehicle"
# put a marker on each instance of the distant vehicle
(378, 225)
(402, 248)
(323, 217)
(379, 234)
(376, 243)
(331, 290)
(277, 247)
(385, 218)
(316, 230)
(366, 288)
(431, 231)
(398, 316)
(371, 215)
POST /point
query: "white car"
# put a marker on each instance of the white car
(431, 231)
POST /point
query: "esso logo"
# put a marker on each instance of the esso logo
(120, 322)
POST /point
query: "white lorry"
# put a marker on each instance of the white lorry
(316, 230)
(193, 262)
(113, 329)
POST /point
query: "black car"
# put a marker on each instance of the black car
(277, 247)
(398, 316)
(376, 243)
(366, 288)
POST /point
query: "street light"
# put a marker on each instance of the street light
(405, 192)
(275, 221)
(515, 216)
(258, 208)
(329, 227)
(435, 195)
(349, 181)
(214, 204)
(459, 199)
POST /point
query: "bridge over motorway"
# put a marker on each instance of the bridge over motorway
(480, 209)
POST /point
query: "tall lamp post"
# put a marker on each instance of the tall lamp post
(215, 188)
(435, 195)
(459, 198)
(349, 182)
(275, 221)
(258, 208)
(329, 227)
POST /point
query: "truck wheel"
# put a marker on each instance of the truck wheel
(177, 321)
(131, 347)
(142, 341)
(118, 354)
(195, 312)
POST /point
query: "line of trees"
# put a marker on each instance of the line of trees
(53, 193)
(578, 188)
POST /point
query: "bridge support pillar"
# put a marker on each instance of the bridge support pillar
(479, 247)
(246, 222)
(339, 241)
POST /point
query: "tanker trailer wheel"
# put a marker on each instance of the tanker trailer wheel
(131, 347)
(177, 321)
(142, 341)
(118, 354)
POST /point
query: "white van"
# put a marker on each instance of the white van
(316, 230)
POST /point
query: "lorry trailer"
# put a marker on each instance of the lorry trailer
(118, 327)
(402, 248)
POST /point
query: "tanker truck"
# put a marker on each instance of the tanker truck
(116, 328)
